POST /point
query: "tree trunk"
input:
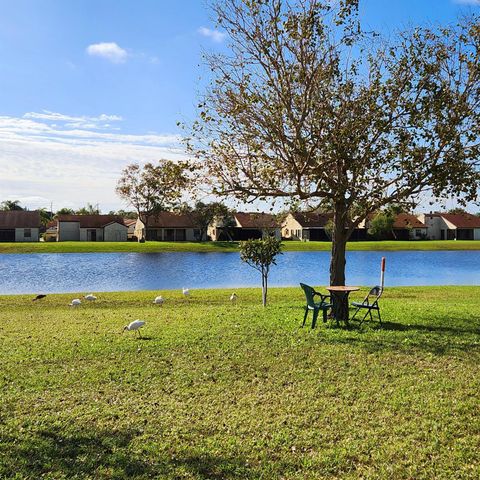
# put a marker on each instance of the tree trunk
(339, 243)
(337, 262)
(264, 287)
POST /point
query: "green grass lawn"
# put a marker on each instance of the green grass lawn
(220, 391)
(78, 247)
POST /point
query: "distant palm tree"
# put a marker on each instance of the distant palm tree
(88, 210)
(65, 211)
(8, 205)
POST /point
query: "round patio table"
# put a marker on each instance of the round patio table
(340, 295)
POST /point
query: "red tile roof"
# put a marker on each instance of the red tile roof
(312, 220)
(256, 220)
(91, 221)
(462, 220)
(407, 220)
(171, 220)
(20, 219)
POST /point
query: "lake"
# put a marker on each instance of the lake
(96, 272)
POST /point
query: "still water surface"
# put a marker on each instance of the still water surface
(86, 272)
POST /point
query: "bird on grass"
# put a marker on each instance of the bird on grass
(158, 300)
(38, 297)
(233, 297)
(186, 292)
(134, 326)
(75, 302)
(90, 297)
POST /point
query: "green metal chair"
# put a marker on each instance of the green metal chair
(323, 305)
(370, 302)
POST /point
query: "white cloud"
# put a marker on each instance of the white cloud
(75, 121)
(215, 35)
(71, 166)
(468, 2)
(108, 50)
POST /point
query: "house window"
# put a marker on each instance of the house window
(180, 235)
(27, 232)
(418, 233)
(196, 234)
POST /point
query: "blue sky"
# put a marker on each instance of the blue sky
(89, 86)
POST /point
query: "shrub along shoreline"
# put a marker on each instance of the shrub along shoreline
(216, 390)
(152, 247)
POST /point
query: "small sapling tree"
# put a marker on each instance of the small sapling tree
(261, 254)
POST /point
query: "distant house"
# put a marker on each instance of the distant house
(452, 226)
(406, 226)
(245, 226)
(168, 227)
(130, 223)
(409, 227)
(91, 228)
(20, 226)
(306, 226)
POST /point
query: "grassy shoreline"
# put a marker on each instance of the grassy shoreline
(223, 391)
(153, 247)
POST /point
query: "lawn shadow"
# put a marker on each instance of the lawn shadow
(428, 328)
(439, 338)
(104, 454)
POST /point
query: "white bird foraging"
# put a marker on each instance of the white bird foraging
(186, 292)
(90, 297)
(158, 300)
(75, 302)
(233, 297)
(135, 326)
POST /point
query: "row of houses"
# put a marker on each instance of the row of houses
(23, 226)
(425, 226)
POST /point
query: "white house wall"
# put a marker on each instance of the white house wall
(139, 226)
(68, 231)
(115, 233)
(20, 235)
(435, 225)
(291, 227)
(476, 233)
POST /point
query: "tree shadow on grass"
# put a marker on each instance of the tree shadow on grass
(441, 338)
(430, 328)
(104, 454)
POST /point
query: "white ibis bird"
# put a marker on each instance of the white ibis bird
(158, 300)
(38, 297)
(134, 326)
(186, 292)
(75, 302)
(233, 297)
(90, 297)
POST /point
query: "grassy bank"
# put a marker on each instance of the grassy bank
(79, 247)
(217, 391)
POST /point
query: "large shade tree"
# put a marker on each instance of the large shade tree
(203, 215)
(152, 187)
(305, 106)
